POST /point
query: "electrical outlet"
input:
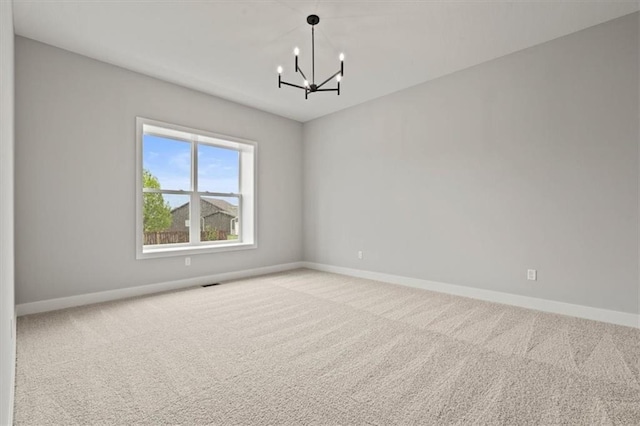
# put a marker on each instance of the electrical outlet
(532, 274)
(187, 261)
(360, 255)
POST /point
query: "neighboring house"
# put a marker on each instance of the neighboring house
(214, 214)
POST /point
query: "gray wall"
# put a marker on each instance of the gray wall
(527, 161)
(75, 171)
(7, 326)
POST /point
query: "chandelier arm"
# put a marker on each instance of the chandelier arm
(327, 80)
(303, 76)
(327, 90)
(293, 85)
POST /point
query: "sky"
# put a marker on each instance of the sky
(169, 160)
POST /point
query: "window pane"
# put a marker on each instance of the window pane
(218, 169)
(166, 163)
(219, 218)
(165, 218)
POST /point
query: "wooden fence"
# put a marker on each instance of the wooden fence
(176, 237)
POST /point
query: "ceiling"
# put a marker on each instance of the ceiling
(231, 49)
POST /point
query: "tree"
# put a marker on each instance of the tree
(156, 211)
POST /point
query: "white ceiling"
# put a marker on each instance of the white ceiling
(231, 49)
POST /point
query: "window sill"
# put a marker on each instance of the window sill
(151, 253)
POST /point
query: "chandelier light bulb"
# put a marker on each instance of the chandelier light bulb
(339, 77)
(342, 56)
(296, 51)
(306, 83)
(279, 70)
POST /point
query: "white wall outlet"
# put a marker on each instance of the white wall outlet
(187, 261)
(532, 274)
(360, 255)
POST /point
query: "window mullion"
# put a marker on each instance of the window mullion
(242, 190)
(194, 222)
(240, 218)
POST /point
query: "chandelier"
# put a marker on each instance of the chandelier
(311, 86)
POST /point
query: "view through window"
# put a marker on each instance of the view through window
(187, 174)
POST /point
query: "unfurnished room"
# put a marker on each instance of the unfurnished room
(319, 212)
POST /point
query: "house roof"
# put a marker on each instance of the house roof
(220, 212)
(222, 206)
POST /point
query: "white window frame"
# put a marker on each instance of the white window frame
(247, 195)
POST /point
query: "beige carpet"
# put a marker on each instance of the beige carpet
(306, 347)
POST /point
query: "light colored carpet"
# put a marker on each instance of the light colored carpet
(307, 347)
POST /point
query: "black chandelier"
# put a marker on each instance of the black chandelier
(312, 87)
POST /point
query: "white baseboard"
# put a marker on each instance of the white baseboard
(123, 293)
(562, 308)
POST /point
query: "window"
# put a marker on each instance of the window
(195, 191)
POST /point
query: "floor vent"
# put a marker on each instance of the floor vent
(210, 285)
